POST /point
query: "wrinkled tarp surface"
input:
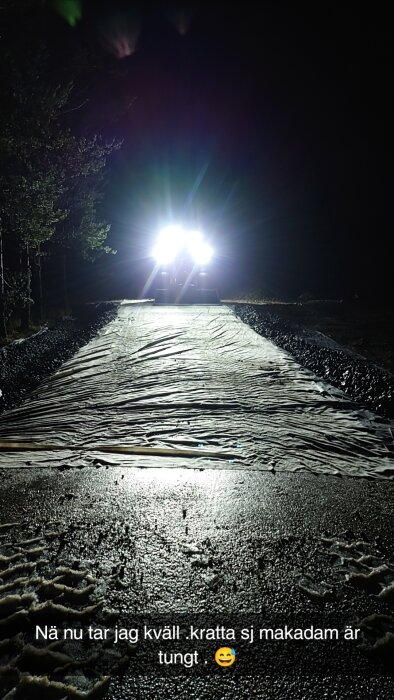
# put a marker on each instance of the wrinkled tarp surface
(200, 389)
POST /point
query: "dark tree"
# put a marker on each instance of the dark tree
(51, 176)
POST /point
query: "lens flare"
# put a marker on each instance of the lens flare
(70, 10)
(120, 35)
(180, 17)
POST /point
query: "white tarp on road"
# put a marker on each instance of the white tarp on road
(191, 379)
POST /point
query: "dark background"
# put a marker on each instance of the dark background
(268, 127)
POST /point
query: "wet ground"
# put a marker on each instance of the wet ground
(105, 544)
(280, 547)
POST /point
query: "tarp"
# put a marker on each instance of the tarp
(192, 386)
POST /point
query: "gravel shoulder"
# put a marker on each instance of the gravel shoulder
(24, 364)
(349, 348)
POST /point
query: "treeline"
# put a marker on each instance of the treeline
(51, 174)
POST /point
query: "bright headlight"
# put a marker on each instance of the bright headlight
(201, 253)
(170, 243)
(173, 235)
(174, 240)
(164, 256)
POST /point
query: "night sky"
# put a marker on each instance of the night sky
(268, 128)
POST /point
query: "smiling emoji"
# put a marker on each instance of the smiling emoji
(225, 656)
